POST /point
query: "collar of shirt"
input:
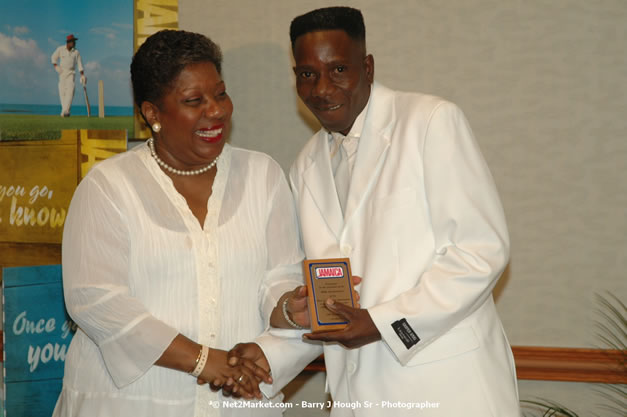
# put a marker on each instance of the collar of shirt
(349, 142)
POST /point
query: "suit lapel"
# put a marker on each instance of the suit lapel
(318, 178)
(373, 145)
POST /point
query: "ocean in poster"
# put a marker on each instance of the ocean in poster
(55, 110)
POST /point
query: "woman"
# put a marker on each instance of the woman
(180, 244)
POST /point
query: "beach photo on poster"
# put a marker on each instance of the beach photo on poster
(65, 67)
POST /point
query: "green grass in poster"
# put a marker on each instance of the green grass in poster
(36, 127)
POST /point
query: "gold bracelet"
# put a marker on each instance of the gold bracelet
(202, 361)
(197, 360)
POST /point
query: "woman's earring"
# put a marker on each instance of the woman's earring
(156, 127)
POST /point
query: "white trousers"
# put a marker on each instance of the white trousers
(66, 91)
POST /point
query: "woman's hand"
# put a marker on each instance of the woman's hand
(240, 379)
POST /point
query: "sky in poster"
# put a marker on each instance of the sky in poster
(30, 31)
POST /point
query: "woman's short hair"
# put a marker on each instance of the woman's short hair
(162, 57)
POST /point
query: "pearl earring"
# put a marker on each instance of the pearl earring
(156, 127)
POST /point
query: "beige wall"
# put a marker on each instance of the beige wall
(544, 85)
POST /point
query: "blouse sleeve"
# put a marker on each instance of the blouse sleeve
(285, 256)
(97, 290)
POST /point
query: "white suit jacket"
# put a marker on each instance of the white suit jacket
(425, 229)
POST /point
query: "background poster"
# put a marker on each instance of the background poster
(38, 333)
(37, 182)
(30, 31)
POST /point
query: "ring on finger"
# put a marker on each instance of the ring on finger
(240, 379)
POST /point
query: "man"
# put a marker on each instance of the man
(396, 182)
(68, 57)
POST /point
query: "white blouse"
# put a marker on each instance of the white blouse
(138, 269)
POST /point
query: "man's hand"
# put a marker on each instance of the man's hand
(83, 80)
(356, 281)
(360, 331)
(239, 378)
(57, 69)
(250, 356)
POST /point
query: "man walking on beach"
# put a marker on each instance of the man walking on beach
(68, 57)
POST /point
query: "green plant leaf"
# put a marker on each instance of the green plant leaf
(551, 408)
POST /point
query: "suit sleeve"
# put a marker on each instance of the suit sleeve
(470, 239)
(285, 350)
(284, 265)
(287, 355)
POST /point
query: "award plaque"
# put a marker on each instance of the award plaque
(328, 278)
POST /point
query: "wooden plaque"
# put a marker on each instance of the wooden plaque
(328, 278)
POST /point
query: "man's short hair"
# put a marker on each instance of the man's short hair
(347, 19)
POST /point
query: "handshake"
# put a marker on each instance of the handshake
(238, 372)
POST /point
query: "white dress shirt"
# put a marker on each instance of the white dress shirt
(343, 152)
(138, 269)
(350, 142)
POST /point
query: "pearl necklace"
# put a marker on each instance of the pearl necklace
(153, 152)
